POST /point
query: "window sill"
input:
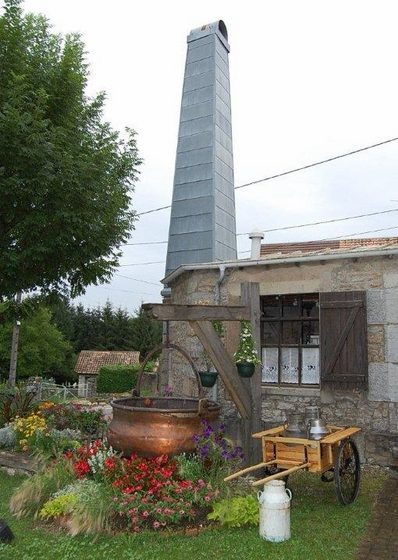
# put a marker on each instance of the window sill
(291, 391)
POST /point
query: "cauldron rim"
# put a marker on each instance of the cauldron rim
(117, 403)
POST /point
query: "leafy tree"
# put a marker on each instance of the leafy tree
(43, 350)
(146, 333)
(66, 176)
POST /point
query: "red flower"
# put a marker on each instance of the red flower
(110, 463)
(81, 468)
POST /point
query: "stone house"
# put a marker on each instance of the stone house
(89, 362)
(328, 331)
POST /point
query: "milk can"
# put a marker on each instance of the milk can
(275, 511)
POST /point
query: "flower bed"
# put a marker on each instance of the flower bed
(48, 429)
(97, 490)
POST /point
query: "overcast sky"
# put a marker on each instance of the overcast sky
(309, 80)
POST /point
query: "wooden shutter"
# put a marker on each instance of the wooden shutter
(343, 339)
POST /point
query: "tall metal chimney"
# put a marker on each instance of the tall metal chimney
(202, 223)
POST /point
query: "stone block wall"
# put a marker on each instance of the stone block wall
(375, 411)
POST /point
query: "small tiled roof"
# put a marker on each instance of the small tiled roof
(91, 361)
(326, 247)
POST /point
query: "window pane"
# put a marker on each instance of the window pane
(289, 365)
(271, 306)
(310, 306)
(291, 307)
(270, 332)
(291, 332)
(310, 371)
(270, 365)
(310, 332)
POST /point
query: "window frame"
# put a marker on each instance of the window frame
(280, 320)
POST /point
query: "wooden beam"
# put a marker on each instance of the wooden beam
(248, 469)
(226, 368)
(270, 432)
(338, 436)
(165, 312)
(250, 296)
(281, 474)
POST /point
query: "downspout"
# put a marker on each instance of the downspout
(221, 277)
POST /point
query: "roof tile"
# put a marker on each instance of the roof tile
(91, 361)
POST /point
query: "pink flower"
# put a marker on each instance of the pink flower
(159, 510)
(207, 498)
(145, 513)
(156, 524)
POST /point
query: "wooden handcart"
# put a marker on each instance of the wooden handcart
(334, 456)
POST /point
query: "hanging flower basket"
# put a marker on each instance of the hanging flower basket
(208, 378)
(246, 357)
(246, 369)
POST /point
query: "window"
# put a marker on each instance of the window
(290, 339)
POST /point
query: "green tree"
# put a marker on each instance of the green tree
(146, 333)
(66, 176)
(43, 350)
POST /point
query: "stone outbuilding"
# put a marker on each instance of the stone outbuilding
(328, 331)
(89, 362)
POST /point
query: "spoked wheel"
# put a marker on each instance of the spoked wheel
(347, 472)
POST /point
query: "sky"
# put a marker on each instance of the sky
(309, 80)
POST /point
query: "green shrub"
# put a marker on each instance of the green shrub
(238, 511)
(8, 438)
(60, 505)
(37, 489)
(16, 401)
(119, 379)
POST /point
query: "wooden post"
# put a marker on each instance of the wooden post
(250, 297)
(224, 365)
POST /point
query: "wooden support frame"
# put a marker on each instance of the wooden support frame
(171, 312)
(214, 347)
(246, 393)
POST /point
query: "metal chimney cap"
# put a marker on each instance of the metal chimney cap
(256, 234)
(217, 27)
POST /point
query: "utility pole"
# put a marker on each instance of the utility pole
(14, 346)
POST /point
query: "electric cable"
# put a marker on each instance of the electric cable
(290, 171)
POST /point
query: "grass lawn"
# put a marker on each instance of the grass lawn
(321, 530)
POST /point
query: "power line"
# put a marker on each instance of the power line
(359, 233)
(295, 170)
(147, 243)
(343, 236)
(291, 227)
(154, 210)
(143, 263)
(325, 221)
(317, 163)
(127, 291)
(137, 280)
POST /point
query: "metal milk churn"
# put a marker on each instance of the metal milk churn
(275, 511)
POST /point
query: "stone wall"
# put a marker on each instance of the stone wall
(375, 411)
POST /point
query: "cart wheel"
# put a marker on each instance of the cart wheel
(347, 472)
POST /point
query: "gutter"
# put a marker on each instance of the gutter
(277, 261)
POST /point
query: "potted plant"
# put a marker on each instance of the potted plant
(208, 375)
(246, 357)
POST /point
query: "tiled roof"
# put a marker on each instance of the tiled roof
(326, 247)
(91, 361)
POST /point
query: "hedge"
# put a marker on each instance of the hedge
(119, 379)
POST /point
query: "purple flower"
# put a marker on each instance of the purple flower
(204, 451)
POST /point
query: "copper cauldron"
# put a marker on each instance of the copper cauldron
(151, 426)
